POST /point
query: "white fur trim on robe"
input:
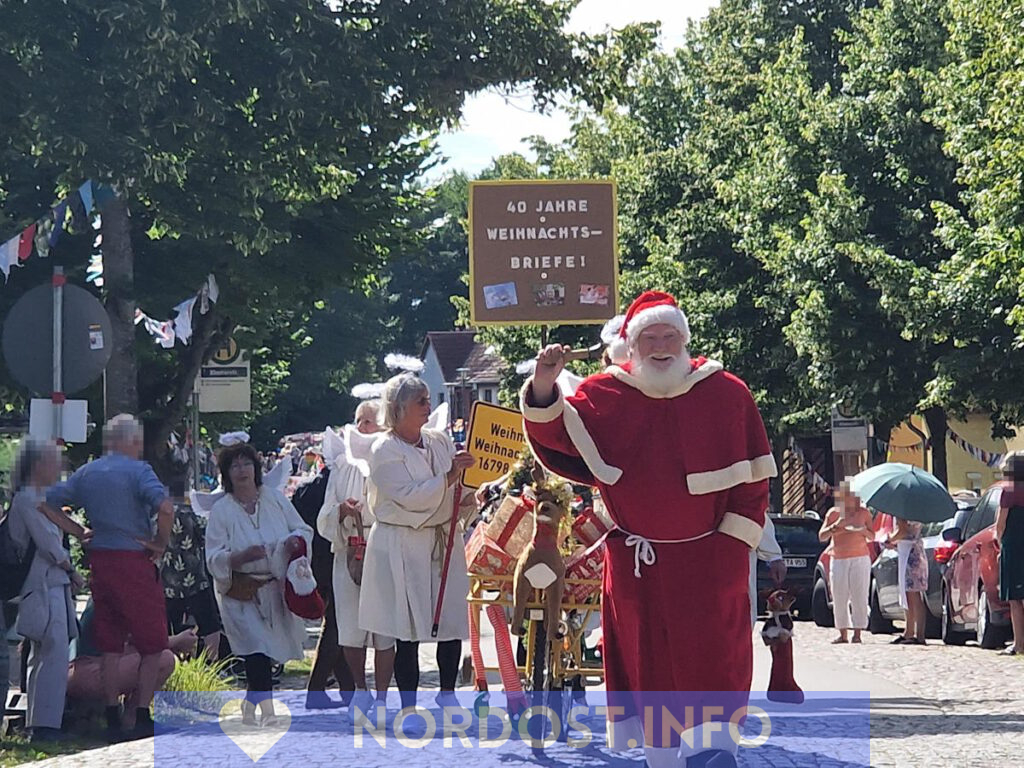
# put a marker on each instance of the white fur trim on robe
(745, 471)
(574, 428)
(263, 625)
(412, 503)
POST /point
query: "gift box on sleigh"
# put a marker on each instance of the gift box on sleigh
(592, 525)
(511, 528)
(484, 557)
(584, 563)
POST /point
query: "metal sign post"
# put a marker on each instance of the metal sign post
(195, 435)
(57, 395)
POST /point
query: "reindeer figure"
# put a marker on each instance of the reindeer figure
(541, 565)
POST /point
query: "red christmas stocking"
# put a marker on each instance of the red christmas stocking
(782, 686)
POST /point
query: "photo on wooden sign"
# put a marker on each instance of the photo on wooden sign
(500, 295)
(549, 294)
(594, 294)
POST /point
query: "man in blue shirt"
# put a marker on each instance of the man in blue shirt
(120, 494)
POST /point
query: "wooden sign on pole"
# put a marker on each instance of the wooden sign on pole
(543, 252)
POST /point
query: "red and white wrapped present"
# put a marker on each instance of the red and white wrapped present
(511, 528)
(584, 563)
(592, 525)
(484, 557)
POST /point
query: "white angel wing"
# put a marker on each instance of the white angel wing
(333, 446)
(277, 477)
(202, 502)
(438, 420)
(358, 448)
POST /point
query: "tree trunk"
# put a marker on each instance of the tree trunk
(935, 418)
(208, 332)
(120, 389)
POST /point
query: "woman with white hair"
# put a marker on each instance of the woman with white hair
(46, 615)
(414, 473)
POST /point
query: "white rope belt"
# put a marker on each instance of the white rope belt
(643, 548)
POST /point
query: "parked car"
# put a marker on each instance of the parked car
(798, 539)
(971, 608)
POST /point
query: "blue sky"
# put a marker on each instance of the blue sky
(494, 124)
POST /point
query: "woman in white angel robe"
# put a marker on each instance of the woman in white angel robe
(263, 628)
(413, 474)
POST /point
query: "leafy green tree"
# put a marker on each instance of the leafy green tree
(271, 143)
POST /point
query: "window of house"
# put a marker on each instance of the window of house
(487, 395)
(440, 398)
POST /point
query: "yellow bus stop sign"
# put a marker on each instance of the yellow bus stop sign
(495, 439)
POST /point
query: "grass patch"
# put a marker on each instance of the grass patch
(299, 667)
(191, 692)
(17, 750)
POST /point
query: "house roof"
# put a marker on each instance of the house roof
(460, 349)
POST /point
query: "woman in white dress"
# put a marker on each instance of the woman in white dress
(252, 534)
(46, 614)
(344, 501)
(413, 475)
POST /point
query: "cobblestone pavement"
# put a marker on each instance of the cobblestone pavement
(933, 704)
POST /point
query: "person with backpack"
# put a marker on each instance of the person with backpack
(46, 615)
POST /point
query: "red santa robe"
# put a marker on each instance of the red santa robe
(684, 475)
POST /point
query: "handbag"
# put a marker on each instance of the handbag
(244, 586)
(355, 552)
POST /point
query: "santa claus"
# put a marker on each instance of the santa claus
(679, 452)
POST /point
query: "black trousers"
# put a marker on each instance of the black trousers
(329, 657)
(259, 682)
(407, 667)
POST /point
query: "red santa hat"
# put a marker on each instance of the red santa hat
(611, 335)
(300, 593)
(653, 308)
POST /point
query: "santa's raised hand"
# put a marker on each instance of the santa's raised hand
(550, 362)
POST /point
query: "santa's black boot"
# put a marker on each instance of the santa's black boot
(712, 758)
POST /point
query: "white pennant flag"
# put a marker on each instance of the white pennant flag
(9, 255)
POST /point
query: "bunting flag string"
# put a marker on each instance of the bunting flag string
(44, 234)
(816, 481)
(166, 332)
(989, 459)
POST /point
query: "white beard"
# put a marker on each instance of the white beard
(661, 382)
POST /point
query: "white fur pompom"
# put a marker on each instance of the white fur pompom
(612, 329)
(399, 362)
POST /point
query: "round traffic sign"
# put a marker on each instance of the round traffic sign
(28, 339)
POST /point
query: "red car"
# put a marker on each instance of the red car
(971, 608)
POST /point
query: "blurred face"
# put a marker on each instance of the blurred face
(242, 472)
(47, 470)
(659, 346)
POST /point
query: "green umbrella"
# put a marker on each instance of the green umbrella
(905, 492)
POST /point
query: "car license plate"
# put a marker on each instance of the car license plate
(795, 562)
